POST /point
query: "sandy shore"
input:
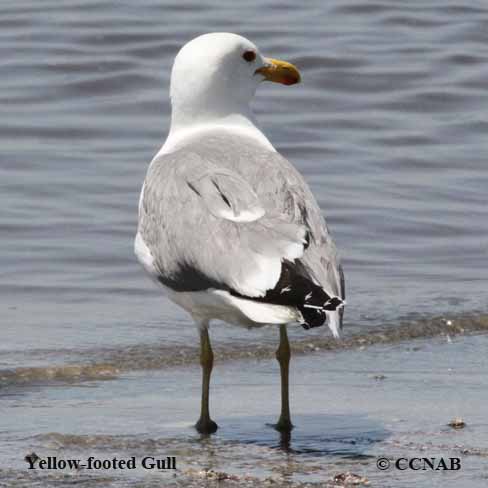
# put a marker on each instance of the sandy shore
(351, 407)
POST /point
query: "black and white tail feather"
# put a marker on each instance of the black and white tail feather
(296, 288)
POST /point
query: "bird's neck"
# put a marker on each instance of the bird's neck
(185, 125)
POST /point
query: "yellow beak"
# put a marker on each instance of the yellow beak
(279, 72)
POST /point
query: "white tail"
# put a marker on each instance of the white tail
(334, 323)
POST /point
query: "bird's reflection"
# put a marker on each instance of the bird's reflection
(285, 441)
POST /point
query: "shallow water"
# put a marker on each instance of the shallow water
(388, 127)
(350, 408)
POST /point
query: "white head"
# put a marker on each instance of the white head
(215, 76)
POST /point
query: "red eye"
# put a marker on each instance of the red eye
(249, 56)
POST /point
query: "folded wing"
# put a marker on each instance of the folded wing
(205, 228)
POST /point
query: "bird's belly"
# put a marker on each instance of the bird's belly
(221, 305)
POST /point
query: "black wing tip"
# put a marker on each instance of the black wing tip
(312, 318)
(333, 304)
(295, 288)
(315, 316)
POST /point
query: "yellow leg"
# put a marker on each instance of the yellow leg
(205, 424)
(283, 356)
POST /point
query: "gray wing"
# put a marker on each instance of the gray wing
(291, 195)
(206, 227)
(321, 259)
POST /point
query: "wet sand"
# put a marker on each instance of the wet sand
(350, 408)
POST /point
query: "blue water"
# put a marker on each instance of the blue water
(388, 127)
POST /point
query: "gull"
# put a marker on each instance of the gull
(227, 226)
